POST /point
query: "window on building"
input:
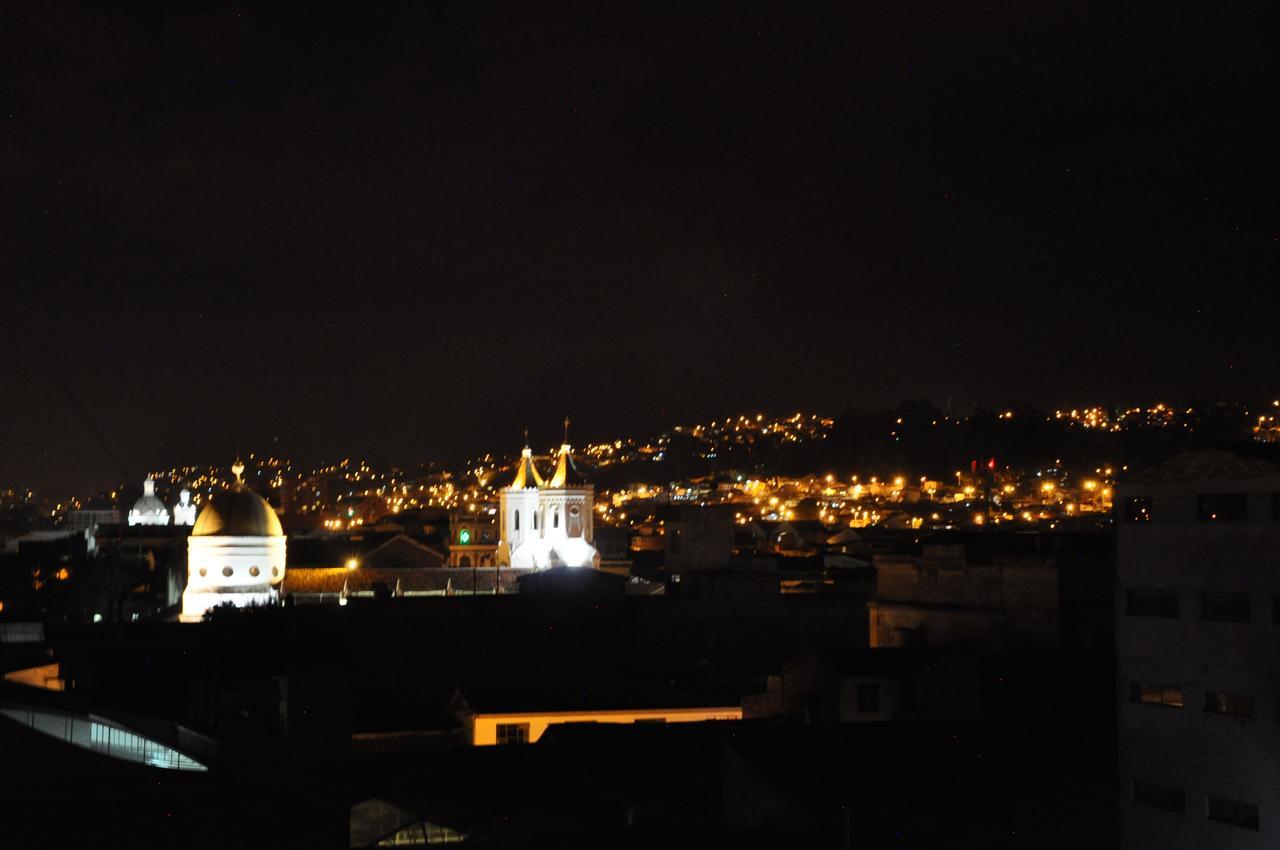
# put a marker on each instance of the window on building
(869, 698)
(1234, 705)
(1152, 694)
(1223, 507)
(1137, 509)
(1233, 812)
(555, 518)
(513, 733)
(1159, 796)
(535, 520)
(1152, 602)
(1224, 607)
(675, 541)
(517, 521)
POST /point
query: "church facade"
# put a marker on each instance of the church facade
(547, 522)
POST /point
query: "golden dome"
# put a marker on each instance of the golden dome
(239, 512)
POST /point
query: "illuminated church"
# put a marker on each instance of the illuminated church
(149, 510)
(546, 523)
(235, 553)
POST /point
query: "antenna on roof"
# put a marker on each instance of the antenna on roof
(526, 436)
(566, 429)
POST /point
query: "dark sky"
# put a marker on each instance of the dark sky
(404, 231)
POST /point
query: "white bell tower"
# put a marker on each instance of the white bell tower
(518, 526)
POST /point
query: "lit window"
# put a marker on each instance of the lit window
(1224, 607)
(104, 738)
(1223, 507)
(513, 733)
(1233, 705)
(1159, 796)
(464, 536)
(1234, 812)
(1144, 692)
(1154, 602)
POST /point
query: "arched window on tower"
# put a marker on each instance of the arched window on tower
(555, 518)
(517, 526)
(535, 520)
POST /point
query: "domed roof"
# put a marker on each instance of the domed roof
(238, 512)
(150, 505)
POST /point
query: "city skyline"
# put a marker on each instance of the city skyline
(639, 425)
(1208, 422)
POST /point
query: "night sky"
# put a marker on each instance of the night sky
(402, 232)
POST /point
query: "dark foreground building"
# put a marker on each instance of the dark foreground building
(1198, 604)
(369, 725)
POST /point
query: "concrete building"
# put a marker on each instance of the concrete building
(614, 546)
(696, 537)
(473, 536)
(1198, 662)
(87, 519)
(965, 593)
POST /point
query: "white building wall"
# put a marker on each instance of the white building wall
(222, 569)
(515, 537)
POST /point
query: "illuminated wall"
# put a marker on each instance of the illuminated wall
(241, 570)
(484, 727)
